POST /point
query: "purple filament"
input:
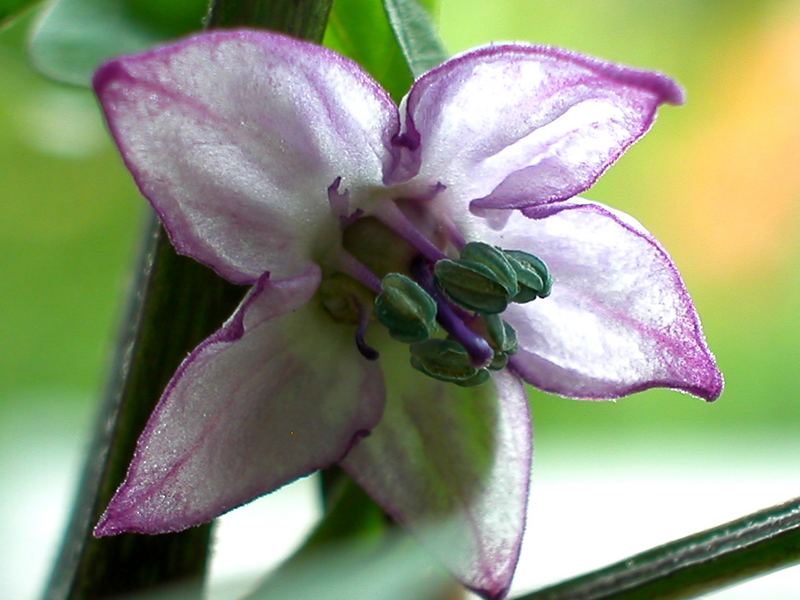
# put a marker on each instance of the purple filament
(366, 350)
(394, 218)
(478, 348)
(350, 265)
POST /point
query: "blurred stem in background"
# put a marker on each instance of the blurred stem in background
(174, 304)
(753, 545)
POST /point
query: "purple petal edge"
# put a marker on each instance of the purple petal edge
(664, 88)
(658, 83)
(115, 519)
(115, 70)
(713, 381)
(231, 331)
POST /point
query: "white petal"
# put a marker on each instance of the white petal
(619, 319)
(257, 405)
(235, 136)
(453, 465)
(514, 125)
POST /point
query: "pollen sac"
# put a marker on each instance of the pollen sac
(483, 279)
(503, 340)
(499, 361)
(446, 360)
(405, 309)
(495, 260)
(502, 336)
(533, 276)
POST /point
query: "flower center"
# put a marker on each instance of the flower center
(414, 274)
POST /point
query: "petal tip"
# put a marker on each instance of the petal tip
(116, 518)
(497, 590)
(106, 527)
(105, 74)
(671, 91)
(713, 386)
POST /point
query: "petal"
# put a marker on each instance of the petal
(453, 466)
(619, 319)
(257, 405)
(235, 136)
(514, 125)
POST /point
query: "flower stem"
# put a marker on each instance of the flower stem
(174, 303)
(752, 545)
(304, 19)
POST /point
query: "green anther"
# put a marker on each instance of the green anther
(482, 376)
(496, 261)
(503, 340)
(499, 361)
(472, 286)
(446, 360)
(405, 309)
(532, 274)
(502, 336)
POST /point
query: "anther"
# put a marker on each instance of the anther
(478, 348)
(405, 309)
(533, 276)
(482, 280)
(446, 360)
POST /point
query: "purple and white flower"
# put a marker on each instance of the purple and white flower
(284, 166)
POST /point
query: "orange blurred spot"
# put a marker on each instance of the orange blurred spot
(738, 176)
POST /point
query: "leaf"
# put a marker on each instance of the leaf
(416, 34)
(75, 36)
(360, 29)
(11, 8)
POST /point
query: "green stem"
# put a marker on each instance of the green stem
(304, 19)
(753, 545)
(174, 304)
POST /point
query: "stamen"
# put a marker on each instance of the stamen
(366, 350)
(397, 221)
(456, 237)
(479, 350)
(405, 309)
(350, 265)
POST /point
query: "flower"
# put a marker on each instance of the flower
(283, 166)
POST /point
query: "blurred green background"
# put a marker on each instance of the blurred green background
(717, 181)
